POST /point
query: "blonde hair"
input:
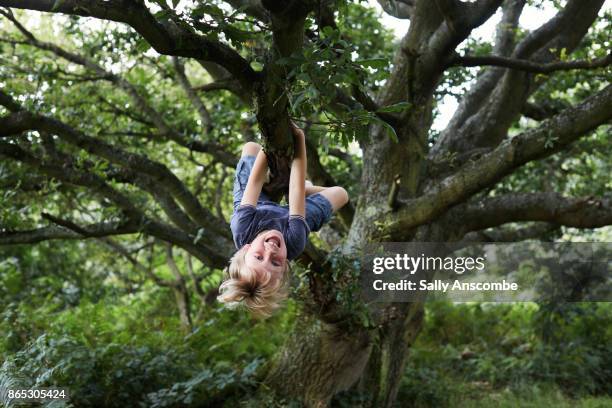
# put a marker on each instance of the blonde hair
(243, 287)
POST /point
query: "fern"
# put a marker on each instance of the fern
(10, 378)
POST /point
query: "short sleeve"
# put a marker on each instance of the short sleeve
(297, 234)
(242, 219)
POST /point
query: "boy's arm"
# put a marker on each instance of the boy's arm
(297, 200)
(257, 178)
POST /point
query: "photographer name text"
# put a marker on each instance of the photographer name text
(443, 286)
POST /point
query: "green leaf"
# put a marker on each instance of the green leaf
(390, 131)
(373, 62)
(328, 31)
(162, 15)
(236, 34)
(57, 5)
(256, 65)
(312, 92)
(301, 97)
(398, 107)
(209, 9)
(142, 45)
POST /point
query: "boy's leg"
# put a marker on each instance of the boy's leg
(321, 205)
(337, 196)
(243, 170)
(250, 149)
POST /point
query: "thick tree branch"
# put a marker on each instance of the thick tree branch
(536, 231)
(288, 19)
(10, 104)
(222, 84)
(162, 198)
(157, 171)
(215, 256)
(191, 94)
(113, 245)
(402, 9)
(165, 36)
(72, 176)
(253, 8)
(147, 271)
(581, 212)
(436, 29)
(478, 94)
(98, 230)
(530, 66)
(485, 125)
(550, 137)
(166, 131)
(541, 111)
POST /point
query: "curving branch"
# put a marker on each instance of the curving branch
(115, 246)
(536, 231)
(253, 8)
(550, 207)
(164, 35)
(98, 230)
(436, 29)
(22, 121)
(215, 256)
(542, 111)
(402, 9)
(72, 176)
(153, 116)
(161, 196)
(477, 95)
(191, 94)
(145, 270)
(287, 22)
(220, 85)
(486, 125)
(9, 103)
(460, 16)
(550, 137)
(530, 66)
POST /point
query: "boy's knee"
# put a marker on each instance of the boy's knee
(338, 197)
(250, 149)
(343, 195)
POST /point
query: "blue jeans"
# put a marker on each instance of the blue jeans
(318, 208)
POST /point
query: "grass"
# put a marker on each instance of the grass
(529, 397)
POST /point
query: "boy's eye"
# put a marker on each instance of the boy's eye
(259, 257)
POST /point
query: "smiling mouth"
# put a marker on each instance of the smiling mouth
(274, 240)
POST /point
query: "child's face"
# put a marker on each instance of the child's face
(267, 252)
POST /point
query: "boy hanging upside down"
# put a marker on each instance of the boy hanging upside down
(267, 234)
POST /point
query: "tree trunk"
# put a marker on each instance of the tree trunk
(318, 361)
(385, 370)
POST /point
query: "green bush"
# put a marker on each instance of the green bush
(132, 351)
(475, 349)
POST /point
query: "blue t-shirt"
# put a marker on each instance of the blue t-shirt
(248, 221)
